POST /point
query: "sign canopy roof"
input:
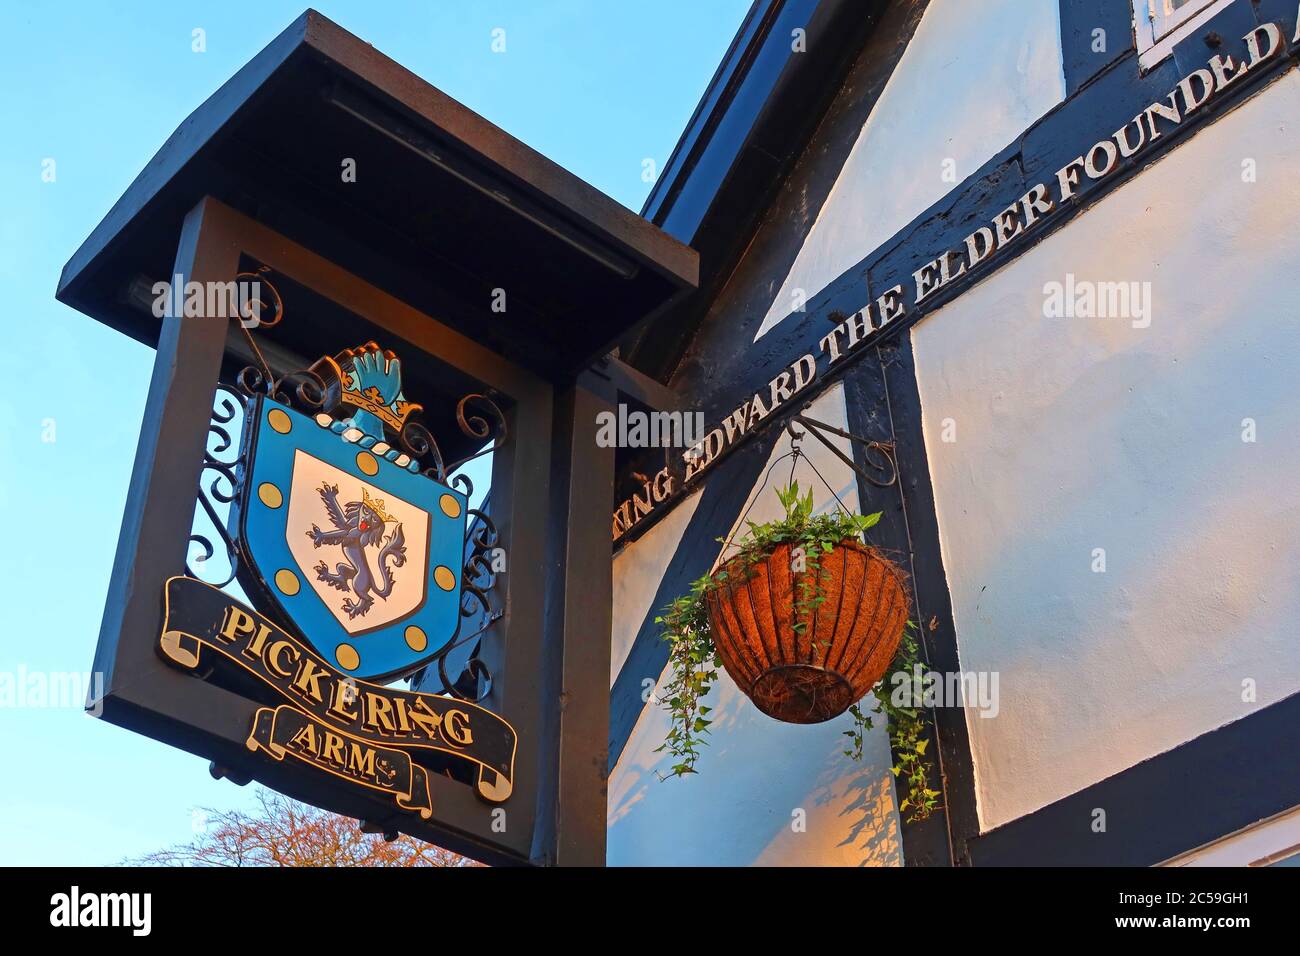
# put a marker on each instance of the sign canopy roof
(445, 207)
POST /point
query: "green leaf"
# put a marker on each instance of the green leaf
(693, 658)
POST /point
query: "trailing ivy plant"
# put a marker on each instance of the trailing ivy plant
(907, 733)
(694, 663)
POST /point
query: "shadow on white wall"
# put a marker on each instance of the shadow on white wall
(759, 777)
(1075, 434)
(973, 78)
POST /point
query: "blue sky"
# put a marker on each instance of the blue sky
(597, 86)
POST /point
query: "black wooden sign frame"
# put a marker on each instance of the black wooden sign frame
(550, 496)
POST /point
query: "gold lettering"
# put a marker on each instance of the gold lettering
(425, 719)
(361, 759)
(344, 694)
(622, 519)
(254, 648)
(663, 485)
(307, 680)
(457, 728)
(403, 721)
(237, 623)
(379, 713)
(641, 506)
(305, 739)
(273, 654)
(333, 749)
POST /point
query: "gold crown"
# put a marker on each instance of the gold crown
(369, 399)
(376, 505)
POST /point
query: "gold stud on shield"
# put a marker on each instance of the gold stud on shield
(270, 495)
(444, 578)
(416, 639)
(279, 421)
(347, 657)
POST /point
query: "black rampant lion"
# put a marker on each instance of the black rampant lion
(359, 525)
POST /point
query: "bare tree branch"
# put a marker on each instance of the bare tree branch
(285, 832)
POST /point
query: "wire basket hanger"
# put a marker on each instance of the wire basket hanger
(818, 429)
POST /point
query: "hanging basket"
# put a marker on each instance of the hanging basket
(812, 674)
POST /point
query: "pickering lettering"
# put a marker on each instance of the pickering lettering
(286, 731)
(981, 249)
(372, 735)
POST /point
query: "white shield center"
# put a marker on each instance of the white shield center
(367, 579)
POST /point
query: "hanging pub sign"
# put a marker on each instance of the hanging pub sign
(345, 533)
(295, 543)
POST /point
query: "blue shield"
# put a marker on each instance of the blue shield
(361, 555)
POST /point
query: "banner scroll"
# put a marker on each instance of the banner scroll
(203, 627)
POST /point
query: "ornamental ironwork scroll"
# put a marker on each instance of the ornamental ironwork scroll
(339, 517)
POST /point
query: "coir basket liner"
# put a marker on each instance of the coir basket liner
(810, 675)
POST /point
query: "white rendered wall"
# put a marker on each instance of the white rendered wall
(638, 569)
(756, 771)
(1074, 434)
(975, 76)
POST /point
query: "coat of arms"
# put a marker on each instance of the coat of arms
(362, 561)
(359, 543)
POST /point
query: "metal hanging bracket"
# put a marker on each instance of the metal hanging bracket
(884, 461)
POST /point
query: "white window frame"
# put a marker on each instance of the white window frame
(1261, 844)
(1181, 23)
